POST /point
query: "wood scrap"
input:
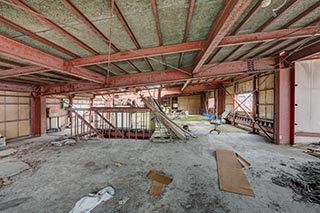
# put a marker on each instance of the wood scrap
(159, 179)
(231, 176)
(173, 127)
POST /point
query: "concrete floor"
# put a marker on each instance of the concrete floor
(62, 175)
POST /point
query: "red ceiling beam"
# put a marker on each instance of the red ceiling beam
(84, 19)
(270, 36)
(236, 67)
(136, 54)
(240, 25)
(165, 76)
(156, 18)
(15, 87)
(21, 51)
(13, 63)
(186, 30)
(22, 71)
(137, 79)
(27, 32)
(230, 13)
(129, 31)
(309, 51)
(261, 28)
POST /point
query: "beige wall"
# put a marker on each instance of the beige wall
(192, 104)
(14, 114)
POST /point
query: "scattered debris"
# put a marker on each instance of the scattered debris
(118, 164)
(313, 149)
(63, 142)
(161, 116)
(7, 152)
(2, 141)
(123, 201)
(306, 184)
(91, 201)
(12, 203)
(6, 181)
(159, 179)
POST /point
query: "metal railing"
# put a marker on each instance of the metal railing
(106, 122)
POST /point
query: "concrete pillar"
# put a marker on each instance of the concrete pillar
(38, 115)
(219, 101)
(284, 105)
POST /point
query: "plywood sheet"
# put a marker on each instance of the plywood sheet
(24, 128)
(231, 176)
(12, 112)
(11, 130)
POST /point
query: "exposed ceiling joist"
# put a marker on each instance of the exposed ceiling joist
(137, 54)
(232, 10)
(5, 86)
(21, 51)
(164, 76)
(305, 52)
(22, 71)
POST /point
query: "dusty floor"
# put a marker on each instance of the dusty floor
(62, 175)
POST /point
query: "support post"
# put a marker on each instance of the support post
(219, 101)
(38, 115)
(284, 105)
(255, 107)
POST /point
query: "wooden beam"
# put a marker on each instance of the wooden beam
(230, 13)
(21, 51)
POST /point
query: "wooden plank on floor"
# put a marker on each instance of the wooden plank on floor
(231, 176)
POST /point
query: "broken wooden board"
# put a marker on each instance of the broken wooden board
(159, 177)
(159, 180)
(231, 176)
(156, 188)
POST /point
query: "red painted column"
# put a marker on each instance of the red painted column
(38, 115)
(219, 99)
(284, 105)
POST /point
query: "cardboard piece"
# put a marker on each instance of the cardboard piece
(231, 176)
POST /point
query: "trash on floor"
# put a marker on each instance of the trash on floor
(7, 152)
(12, 166)
(159, 180)
(231, 176)
(313, 149)
(118, 164)
(63, 142)
(123, 201)
(2, 141)
(6, 181)
(91, 201)
(12, 203)
(305, 184)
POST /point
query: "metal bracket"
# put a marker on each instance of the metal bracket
(251, 65)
